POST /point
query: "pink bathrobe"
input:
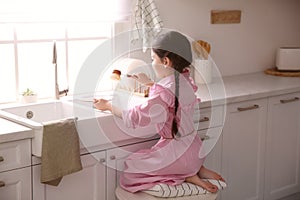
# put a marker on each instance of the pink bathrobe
(170, 160)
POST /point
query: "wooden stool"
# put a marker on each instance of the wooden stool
(124, 195)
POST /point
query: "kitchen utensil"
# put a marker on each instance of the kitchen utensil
(202, 48)
(116, 75)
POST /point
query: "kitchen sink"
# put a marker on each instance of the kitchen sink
(95, 128)
(35, 114)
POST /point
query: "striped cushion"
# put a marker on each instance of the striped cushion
(184, 189)
(125, 195)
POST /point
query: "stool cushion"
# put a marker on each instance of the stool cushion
(184, 189)
(124, 195)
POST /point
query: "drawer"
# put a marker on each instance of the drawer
(210, 138)
(208, 117)
(246, 106)
(16, 184)
(285, 99)
(15, 154)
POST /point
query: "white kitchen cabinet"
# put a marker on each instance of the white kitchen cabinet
(16, 184)
(89, 183)
(209, 125)
(15, 170)
(212, 144)
(282, 172)
(243, 152)
(115, 164)
(15, 154)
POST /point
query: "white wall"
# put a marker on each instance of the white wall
(237, 48)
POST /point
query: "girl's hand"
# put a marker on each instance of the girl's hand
(143, 79)
(102, 104)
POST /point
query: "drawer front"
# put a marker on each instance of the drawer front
(286, 99)
(247, 106)
(16, 184)
(15, 154)
(210, 138)
(212, 147)
(209, 117)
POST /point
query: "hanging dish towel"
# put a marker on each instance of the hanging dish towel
(60, 151)
(147, 22)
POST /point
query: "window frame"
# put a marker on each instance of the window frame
(66, 40)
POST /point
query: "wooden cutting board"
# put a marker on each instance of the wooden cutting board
(275, 72)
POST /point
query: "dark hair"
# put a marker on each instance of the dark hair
(177, 48)
(179, 64)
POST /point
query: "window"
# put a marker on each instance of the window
(26, 52)
(7, 73)
(27, 32)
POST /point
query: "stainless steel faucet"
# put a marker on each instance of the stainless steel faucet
(58, 93)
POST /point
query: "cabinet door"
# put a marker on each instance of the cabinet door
(209, 124)
(115, 164)
(283, 147)
(15, 155)
(89, 183)
(244, 149)
(212, 147)
(16, 184)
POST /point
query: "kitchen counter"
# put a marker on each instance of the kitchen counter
(246, 87)
(10, 131)
(225, 91)
(230, 89)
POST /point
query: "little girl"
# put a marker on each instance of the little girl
(170, 107)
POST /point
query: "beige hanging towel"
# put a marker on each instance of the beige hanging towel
(60, 151)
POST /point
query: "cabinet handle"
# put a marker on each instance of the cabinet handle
(1, 159)
(248, 108)
(2, 184)
(205, 137)
(112, 157)
(102, 160)
(289, 100)
(204, 119)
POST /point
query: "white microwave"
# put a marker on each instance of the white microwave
(288, 58)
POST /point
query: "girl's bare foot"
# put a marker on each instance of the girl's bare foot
(204, 184)
(209, 174)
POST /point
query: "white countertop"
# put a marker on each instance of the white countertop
(237, 88)
(246, 87)
(10, 131)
